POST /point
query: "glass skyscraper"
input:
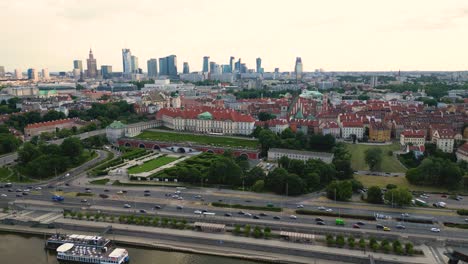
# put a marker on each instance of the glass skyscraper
(127, 61)
(152, 68)
(206, 63)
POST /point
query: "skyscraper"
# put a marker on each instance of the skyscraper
(127, 61)
(259, 65)
(212, 66)
(45, 74)
(2, 71)
(206, 63)
(298, 69)
(231, 63)
(237, 66)
(186, 68)
(152, 68)
(163, 66)
(168, 65)
(78, 64)
(33, 75)
(18, 74)
(134, 64)
(106, 71)
(92, 65)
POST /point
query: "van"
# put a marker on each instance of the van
(339, 221)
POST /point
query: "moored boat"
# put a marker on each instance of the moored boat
(71, 253)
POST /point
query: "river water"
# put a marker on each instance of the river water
(16, 249)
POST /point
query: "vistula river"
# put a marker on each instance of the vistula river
(19, 249)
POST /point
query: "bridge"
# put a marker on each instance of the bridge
(252, 154)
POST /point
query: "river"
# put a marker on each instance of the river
(19, 249)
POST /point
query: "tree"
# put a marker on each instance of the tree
(294, 184)
(276, 180)
(53, 115)
(351, 242)
(8, 143)
(237, 229)
(254, 175)
(312, 181)
(374, 195)
(267, 232)
(340, 190)
(225, 171)
(258, 186)
(247, 230)
(399, 196)
(340, 241)
(330, 240)
(264, 116)
(267, 140)
(373, 158)
(409, 248)
(362, 243)
(287, 133)
(257, 233)
(72, 147)
(397, 247)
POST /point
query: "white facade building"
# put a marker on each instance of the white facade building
(276, 153)
(414, 137)
(444, 139)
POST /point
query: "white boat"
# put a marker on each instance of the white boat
(71, 253)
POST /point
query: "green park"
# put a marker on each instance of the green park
(151, 164)
(389, 162)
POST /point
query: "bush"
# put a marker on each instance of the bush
(257, 233)
(351, 242)
(340, 241)
(267, 232)
(462, 212)
(391, 186)
(362, 243)
(409, 248)
(330, 240)
(247, 230)
(237, 230)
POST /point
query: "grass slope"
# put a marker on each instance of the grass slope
(389, 163)
(199, 139)
(401, 181)
(151, 165)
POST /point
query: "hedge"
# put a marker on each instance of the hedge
(323, 213)
(456, 225)
(462, 211)
(248, 207)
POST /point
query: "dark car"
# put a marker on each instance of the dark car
(146, 191)
(147, 194)
(19, 195)
(379, 226)
(228, 214)
(360, 223)
(276, 217)
(10, 190)
(106, 190)
(143, 211)
(318, 219)
(320, 223)
(263, 214)
(356, 226)
(103, 195)
(241, 213)
(157, 207)
(25, 193)
(256, 217)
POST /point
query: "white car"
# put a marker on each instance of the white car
(300, 206)
(3, 195)
(248, 214)
(435, 230)
(293, 217)
(180, 198)
(119, 192)
(329, 210)
(321, 208)
(38, 188)
(127, 206)
(197, 212)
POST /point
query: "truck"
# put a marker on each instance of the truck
(57, 198)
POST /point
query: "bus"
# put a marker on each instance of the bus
(208, 214)
(420, 202)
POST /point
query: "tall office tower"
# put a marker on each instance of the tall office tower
(33, 75)
(186, 69)
(259, 65)
(2, 71)
(243, 68)
(206, 63)
(78, 64)
(134, 64)
(152, 68)
(276, 70)
(45, 74)
(212, 66)
(374, 81)
(92, 65)
(163, 66)
(298, 69)
(237, 66)
(18, 74)
(225, 68)
(106, 71)
(127, 61)
(231, 63)
(172, 65)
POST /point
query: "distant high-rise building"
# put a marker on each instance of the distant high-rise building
(127, 61)
(18, 74)
(92, 65)
(206, 63)
(374, 81)
(172, 65)
(237, 66)
(259, 65)
(226, 68)
(186, 69)
(276, 70)
(163, 66)
(152, 68)
(298, 69)
(134, 64)
(2, 71)
(243, 68)
(78, 64)
(106, 71)
(212, 66)
(33, 75)
(231, 63)
(45, 74)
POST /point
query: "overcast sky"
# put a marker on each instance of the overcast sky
(352, 35)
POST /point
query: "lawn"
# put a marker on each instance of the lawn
(199, 139)
(400, 181)
(100, 182)
(389, 163)
(151, 165)
(6, 175)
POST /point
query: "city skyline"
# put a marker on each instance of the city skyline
(336, 35)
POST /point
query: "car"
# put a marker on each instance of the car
(50, 186)
(26, 190)
(256, 217)
(204, 211)
(276, 217)
(220, 200)
(10, 190)
(435, 230)
(38, 188)
(300, 206)
(3, 195)
(360, 223)
(103, 196)
(19, 190)
(87, 189)
(379, 226)
(386, 228)
(318, 219)
(228, 214)
(293, 217)
(248, 201)
(356, 226)
(120, 192)
(106, 190)
(400, 226)
(320, 223)
(25, 193)
(466, 220)
(147, 194)
(405, 215)
(84, 201)
(124, 191)
(67, 184)
(143, 211)
(175, 196)
(321, 208)
(443, 196)
(19, 195)
(197, 212)
(197, 196)
(329, 210)
(240, 213)
(263, 214)
(248, 214)
(147, 191)
(177, 192)
(180, 198)
(127, 206)
(157, 207)
(59, 190)
(180, 207)
(67, 175)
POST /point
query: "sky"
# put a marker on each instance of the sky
(336, 35)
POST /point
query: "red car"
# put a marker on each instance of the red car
(356, 226)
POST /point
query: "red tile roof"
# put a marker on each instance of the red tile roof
(219, 114)
(413, 133)
(51, 123)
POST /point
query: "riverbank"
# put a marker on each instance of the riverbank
(225, 245)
